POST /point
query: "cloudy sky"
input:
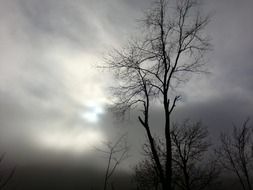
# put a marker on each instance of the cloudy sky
(53, 98)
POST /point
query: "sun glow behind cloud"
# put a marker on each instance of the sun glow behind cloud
(84, 88)
(52, 75)
(93, 112)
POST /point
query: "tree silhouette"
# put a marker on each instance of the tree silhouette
(191, 170)
(5, 178)
(190, 145)
(236, 153)
(116, 153)
(172, 46)
(145, 176)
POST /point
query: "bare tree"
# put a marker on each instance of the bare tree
(190, 146)
(146, 172)
(5, 177)
(191, 168)
(116, 153)
(148, 69)
(236, 153)
(146, 176)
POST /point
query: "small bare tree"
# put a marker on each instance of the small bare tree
(172, 45)
(236, 153)
(190, 145)
(191, 170)
(116, 153)
(5, 178)
(146, 172)
(146, 177)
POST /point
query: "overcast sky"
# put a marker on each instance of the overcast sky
(53, 98)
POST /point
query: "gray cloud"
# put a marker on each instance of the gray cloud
(46, 51)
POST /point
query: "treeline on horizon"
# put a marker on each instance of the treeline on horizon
(197, 164)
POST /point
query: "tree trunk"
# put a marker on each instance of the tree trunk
(168, 163)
